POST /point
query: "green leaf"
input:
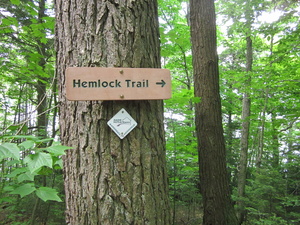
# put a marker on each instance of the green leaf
(46, 171)
(8, 188)
(46, 193)
(24, 190)
(15, 2)
(28, 137)
(44, 140)
(26, 176)
(27, 144)
(36, 161)
(59, 162)
(12, 162)
(16, 172)
(58, 150)
(7, 200)
(9, 150)
(196, 99)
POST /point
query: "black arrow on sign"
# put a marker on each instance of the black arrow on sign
(162, 83)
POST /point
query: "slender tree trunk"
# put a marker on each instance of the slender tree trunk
(229, 137)
(242, 170)
(109, 180)
(41, 85)
(275, 142)
(6, 108)
(262, 131)
(263, 119)
(218, 207)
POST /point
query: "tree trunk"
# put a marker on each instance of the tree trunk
(275, 142)
(109, 180)
(242, 170)
(218, 207)
(41, 86)
(262, 130)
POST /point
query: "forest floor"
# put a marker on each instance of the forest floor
(188, 215)
(184, 215)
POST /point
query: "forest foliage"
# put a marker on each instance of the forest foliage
(31, 188)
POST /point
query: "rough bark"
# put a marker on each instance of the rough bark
(109, 180)
(218, 207)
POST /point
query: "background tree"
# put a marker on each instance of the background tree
(182, 155)
(108, 180)
(266, 146)
(27, 100)
(246, 112)
(218, 207)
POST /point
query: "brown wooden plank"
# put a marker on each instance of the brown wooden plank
(94, 83)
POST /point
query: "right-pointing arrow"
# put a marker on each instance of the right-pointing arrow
(162, 83)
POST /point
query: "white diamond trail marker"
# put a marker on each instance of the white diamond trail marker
(122, 123)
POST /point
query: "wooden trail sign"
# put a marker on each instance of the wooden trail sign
(94, 83)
